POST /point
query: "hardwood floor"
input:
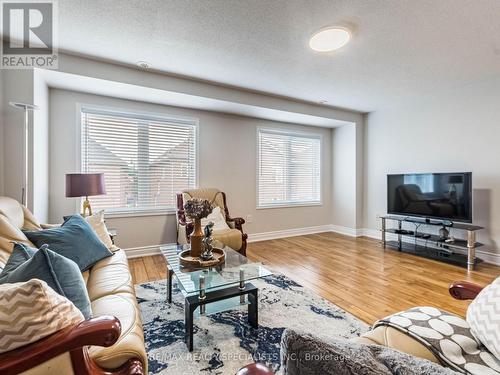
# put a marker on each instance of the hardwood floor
(353, 273)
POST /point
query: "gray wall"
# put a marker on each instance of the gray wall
(459, 131)
(227, 160)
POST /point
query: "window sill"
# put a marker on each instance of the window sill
(290, 205)
(117, 215)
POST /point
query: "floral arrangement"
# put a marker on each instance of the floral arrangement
(196, 208)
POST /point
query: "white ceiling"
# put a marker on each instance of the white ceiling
(401, 49)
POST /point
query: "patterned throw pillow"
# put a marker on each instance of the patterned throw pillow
(483, 316)
(30, 311)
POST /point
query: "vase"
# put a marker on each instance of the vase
(196, 239)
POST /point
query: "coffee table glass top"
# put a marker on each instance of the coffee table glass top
(225, 274)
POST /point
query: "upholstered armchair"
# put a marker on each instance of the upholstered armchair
(395, 339)
(295, 348)
(229, 232)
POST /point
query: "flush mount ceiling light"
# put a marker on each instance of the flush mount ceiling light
(330, 39)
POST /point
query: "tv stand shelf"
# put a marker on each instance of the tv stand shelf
(431, 245)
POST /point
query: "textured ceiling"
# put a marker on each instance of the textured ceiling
(401, 49)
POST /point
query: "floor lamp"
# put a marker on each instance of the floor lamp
(27, 108)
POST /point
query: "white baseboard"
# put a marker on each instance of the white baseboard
(372, 233)
(255, 237)
(143, 251)
(489, 257)
(346, 231)
(486, 256)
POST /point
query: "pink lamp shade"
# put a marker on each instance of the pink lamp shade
(85, 184)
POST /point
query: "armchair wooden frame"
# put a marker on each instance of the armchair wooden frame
(101, 331)
(464, 290)
(236, 222)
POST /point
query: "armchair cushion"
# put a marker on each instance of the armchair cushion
(392, 338)
(483, 316)
(447, 336)
(229, 237)
(30, 311)
(74, 239)
(60, 273)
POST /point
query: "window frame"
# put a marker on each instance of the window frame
(288, 132)
(193, 121)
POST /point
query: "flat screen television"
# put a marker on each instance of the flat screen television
(444, 196)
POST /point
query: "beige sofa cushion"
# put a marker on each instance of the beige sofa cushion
(392, 338)
(14, 217)
(30, 311)
(9, 234)
(18, 215)
(131, 342)
(109, 276)
(111, 291)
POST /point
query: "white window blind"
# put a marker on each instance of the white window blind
(289, 169)
(145, 159)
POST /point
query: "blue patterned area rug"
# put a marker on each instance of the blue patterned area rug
(224, 342)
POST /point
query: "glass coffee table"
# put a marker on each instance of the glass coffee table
(215, 289)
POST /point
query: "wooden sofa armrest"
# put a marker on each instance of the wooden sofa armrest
(464, 290)
(238, 222)
(255, 369)
(101, 331)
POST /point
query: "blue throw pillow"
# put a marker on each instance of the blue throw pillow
(60, 273)
(20, 254)
(75, 239)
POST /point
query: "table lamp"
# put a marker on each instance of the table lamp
(85, 185)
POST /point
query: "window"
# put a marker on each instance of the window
(146, 159)
(424, 181)
(289, 171)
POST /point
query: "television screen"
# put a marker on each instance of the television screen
(446, 196)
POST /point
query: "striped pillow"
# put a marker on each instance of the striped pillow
(483, 316)
(30, 311)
